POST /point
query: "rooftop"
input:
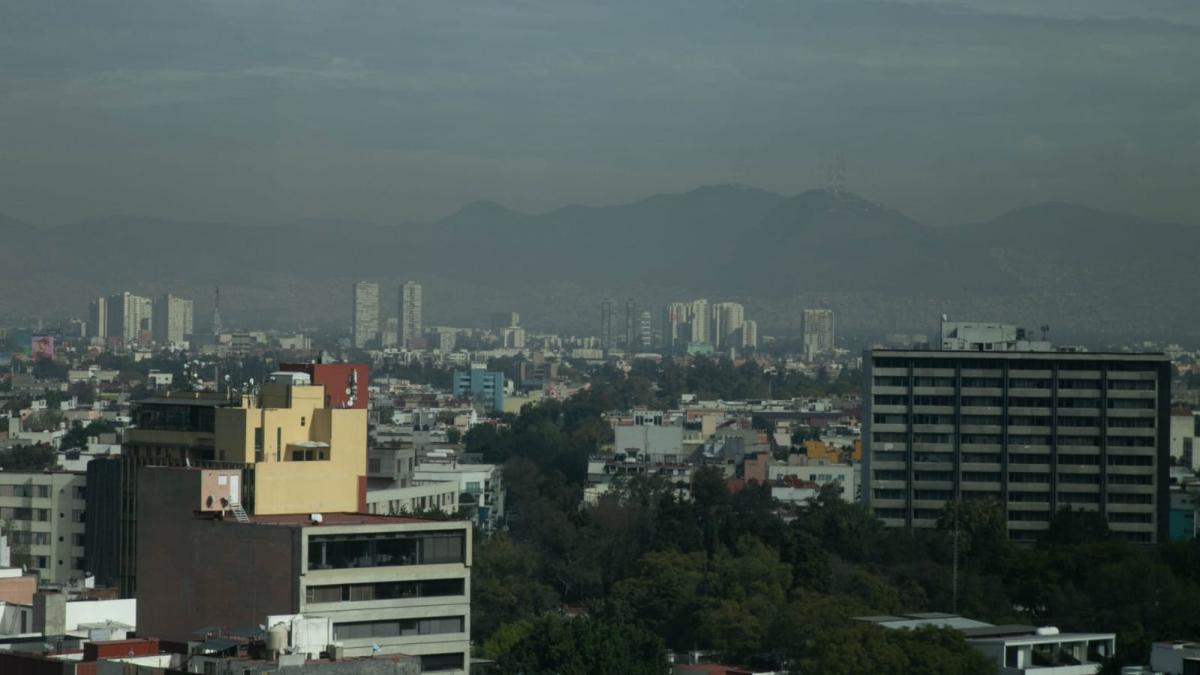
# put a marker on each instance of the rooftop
(327, 519)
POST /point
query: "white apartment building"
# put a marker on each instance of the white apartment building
(42, 513)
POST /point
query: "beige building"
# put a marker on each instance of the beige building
(306, 457)
(42, 515)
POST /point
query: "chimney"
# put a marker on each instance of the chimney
(50, 613)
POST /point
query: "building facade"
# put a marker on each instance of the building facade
(366, 314)
(388, 585)
(43, 516)
(129, 317)
(818, 332)
(172, 319)
(1034, 431)
(482, 385)
(411, 314)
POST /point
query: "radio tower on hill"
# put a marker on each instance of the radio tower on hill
(216, 318)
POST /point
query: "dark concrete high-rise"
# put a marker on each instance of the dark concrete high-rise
(1035, 431)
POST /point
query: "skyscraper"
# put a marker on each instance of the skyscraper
(173, 317)
(699, 316)
(726, 326)
(366, 314)
(645, 330)
(750, 334)
(632, 316)
(97, 325)
(410, 314)
(128, 317)
(818, 332)
(606, 327)
(674, 324)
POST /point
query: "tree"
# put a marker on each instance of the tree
(865, 648)
(28, 458)
(1071, 527)
(585, 646)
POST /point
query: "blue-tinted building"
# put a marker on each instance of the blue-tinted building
(1182, 519)
(479, 384)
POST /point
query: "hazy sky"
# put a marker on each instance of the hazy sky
(271, 110)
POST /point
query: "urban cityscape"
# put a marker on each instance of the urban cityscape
(265, 408)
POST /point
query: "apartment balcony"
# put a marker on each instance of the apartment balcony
(889, 371)
(1041, 430)
(1078, 393)
(981, 429)
(891, 427)
(884, 389)
(1029, 392)
(933, 409)
(1018, 410)
(1131, 508)
(981, 410)
(982, 391)
(1127, 375)
(889, 409)
(1132, 412)
(1132, 394)
(1078, 374)
(933, 391)
(982, 372)
(1132, 432)
(980, 466)
(980, 486)
(1030, 506)
(1029, 374)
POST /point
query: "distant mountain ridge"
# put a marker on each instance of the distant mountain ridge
(881, 270)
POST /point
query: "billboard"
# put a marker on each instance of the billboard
(42, 347)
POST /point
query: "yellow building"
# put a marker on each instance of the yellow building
(305, 457)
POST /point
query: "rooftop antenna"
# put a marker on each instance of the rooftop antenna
(839, 175)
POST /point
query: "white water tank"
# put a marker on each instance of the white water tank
(277, 638)
(1047, 630)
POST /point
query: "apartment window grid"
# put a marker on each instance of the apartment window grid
(1051, 428)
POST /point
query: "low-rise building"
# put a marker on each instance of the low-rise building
(388, 585)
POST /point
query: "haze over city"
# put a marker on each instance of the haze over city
(599, 337)
(388, 112)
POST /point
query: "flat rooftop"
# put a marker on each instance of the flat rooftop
(329, 519)
(1015, 355)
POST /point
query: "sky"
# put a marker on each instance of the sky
(268, 111)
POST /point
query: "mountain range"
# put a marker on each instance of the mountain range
(1084, 271)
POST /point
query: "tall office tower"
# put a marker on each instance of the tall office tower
(606, 326)
(172, 320)
(632, 318)
(726, 323)
(216, 317)
(645, 330)
(97, 325)
(818, 332)
(674, 324)
(700, 321)
(366, 314)
(391, 329)
(129, 317)
(750, 334)
(410, 313)
(1035, 431)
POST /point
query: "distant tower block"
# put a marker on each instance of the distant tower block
(216, 317)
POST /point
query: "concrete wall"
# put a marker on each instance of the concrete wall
(196, 572)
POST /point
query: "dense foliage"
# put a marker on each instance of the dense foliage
(761, 585)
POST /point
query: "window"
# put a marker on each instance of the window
(434, 662)
(374, 465)
(41, 538)
(41, 562)
(43, 491)
(387, 590)
(78, 540)
(386, 549)
(360, 630)
(78, 564)
(80, 492)
(78, 516)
